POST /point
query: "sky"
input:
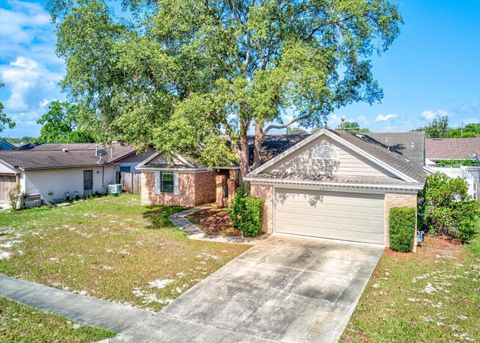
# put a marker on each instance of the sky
(432, 68)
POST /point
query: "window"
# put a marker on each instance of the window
(125, 169)
(167, 182)
(325, 152)
(87, 180)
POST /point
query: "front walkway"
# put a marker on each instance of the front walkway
(283, 289)
(84, 309)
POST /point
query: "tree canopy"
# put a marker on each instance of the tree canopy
(60, 125)
(439, 128)
(193, 76)
(351, 126)
(5, 121)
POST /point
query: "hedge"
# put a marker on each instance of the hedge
(402, 228)
(246, 213)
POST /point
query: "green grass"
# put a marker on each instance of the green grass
(20, 323)
(418, 299)
(110, 248)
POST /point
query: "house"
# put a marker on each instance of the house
(456, 157)
(51, 173)
(331, 184)
(6, 146)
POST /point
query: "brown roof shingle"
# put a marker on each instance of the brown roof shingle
(452, 148)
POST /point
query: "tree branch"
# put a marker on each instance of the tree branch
(284, 126)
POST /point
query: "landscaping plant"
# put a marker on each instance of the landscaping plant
(447, 209)
(238, 206)
(246, 213)
(402, 228)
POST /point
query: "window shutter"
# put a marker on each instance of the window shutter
(176, 185)
(157, 182)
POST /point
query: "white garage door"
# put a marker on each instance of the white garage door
(334, 215)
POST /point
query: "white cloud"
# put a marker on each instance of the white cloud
(30, 86)
(385, 117)
(432, 114)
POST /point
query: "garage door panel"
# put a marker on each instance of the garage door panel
(345, 216)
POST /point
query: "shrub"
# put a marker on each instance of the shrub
(14, 194)
(251, 218)
(447, 209)
(402, 228)
(238, 206)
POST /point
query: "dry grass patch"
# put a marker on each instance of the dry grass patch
(433, 295)
(20, 323)
(112, 248)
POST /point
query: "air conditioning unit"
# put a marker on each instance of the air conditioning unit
(115, 189)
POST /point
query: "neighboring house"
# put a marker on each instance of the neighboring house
(459, 149)
(52, 173)
(6, 146)
(331, 184)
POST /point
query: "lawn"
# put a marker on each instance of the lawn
(111, 248)
(433, 295)
(20, 323)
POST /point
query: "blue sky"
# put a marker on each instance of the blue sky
(433, 68)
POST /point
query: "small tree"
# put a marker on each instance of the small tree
(446, 208)
(438, 128)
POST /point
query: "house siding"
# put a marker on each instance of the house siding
(194, 189)
(348, 162)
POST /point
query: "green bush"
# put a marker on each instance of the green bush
(402, 228)
(447, 209)
(251, 219)
(246, 213)
(238, 206)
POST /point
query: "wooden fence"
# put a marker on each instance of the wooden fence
(130, 182)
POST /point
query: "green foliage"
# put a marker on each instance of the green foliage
(402, 228)
(446, 208)
(179, 72)
(296, 131)
(246, 213)
(61, 125)
(351, 126)
(238, 206)
(457, 163)
(14, 195)
(4, 120)
(439, 129)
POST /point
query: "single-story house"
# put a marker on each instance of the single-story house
(51, 173)
(331, 184)
(456, 149)
(6, 146)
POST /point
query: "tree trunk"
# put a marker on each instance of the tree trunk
(258, 144)
(244, 156)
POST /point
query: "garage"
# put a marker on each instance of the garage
(357, 217)
(7, 182)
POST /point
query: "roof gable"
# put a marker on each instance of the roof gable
(390, 163)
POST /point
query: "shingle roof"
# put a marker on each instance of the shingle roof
(452, 148)
(396, 161)
(273, 145)
(47, 156)
(408, 144)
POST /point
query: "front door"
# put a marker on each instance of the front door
(87, 182)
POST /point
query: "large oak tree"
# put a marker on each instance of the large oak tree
(194, 76)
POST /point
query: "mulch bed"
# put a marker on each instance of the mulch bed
(434, 248)
(215, 222)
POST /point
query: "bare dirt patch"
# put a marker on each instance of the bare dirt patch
(215, 221)
(434, 248)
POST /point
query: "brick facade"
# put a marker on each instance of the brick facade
(194, 189)
(398, 200)
(265, 192)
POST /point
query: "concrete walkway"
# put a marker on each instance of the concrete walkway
(84, 309)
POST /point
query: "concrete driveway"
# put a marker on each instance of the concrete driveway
(282, 289)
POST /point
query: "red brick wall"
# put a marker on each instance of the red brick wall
(265, 192)
(398, 200)
(194, 189)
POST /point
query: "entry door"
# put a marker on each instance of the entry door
(87, 182)
(334, 215)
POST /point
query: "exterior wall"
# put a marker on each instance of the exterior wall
(52, 184)
(398, 200)
(347, 162)
(6, 170)
(265, 192)
(194, 189)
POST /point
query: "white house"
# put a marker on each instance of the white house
(51, 173)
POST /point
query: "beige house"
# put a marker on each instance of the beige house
(331, 184)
